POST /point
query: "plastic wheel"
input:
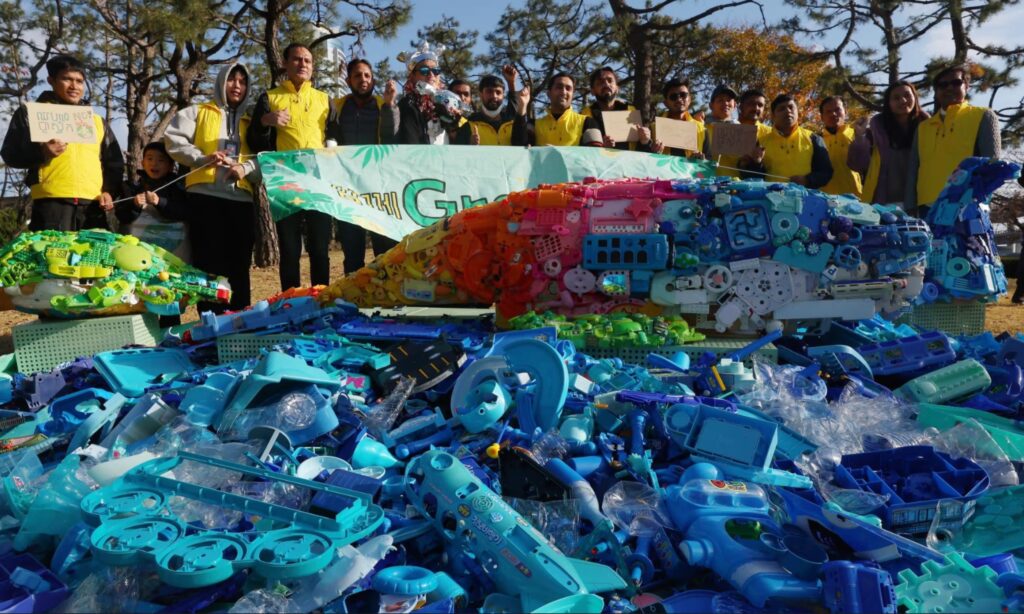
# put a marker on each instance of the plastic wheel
(847, 256)
(103, 505)
(201, 560)
(132, 541)
(718, 278)
(291, 553)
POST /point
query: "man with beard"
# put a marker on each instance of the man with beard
(561, 126)
(605, 87)
(361, 118)
(492, 121)
(789, 152)
(676, 93)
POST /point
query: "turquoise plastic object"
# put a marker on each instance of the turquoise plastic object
(204, 404)
(135, 523)
(958, 380)
(479, 396)
(995, 526)
(407, 580)
(132, 371)
(540, 403)
(952, 586)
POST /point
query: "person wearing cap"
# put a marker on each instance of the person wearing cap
(561, 125)
(293, 116)
(789, 152)
(723, 103)
(752, 104)
(73, 185)
(492, 121)
(362, 118)
(676, 93)
(958, 130)
(838, 136)
(604, 84)
(427, 117)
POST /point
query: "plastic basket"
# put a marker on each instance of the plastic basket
(719, 347)
(42, 345)
(949, 318)
(240, 346)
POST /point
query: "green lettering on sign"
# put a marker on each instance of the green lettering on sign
(410, 201)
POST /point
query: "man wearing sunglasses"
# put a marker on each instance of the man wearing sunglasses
(956, 131)
(676, 93)
(604, 84)
(293, 116)
(420, 121)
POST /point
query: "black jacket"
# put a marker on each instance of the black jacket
(171, 205)
(412, 127)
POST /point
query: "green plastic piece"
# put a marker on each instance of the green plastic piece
(950, 318)
(995, 526)
(42, 345)
(613, 331)
(1007, 435)
(952, 586)
(956, 381)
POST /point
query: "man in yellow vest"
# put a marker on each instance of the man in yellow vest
(956, 131)
(676, 94)
(752, 104)
(561, 126)
(789, 152)
(361, 118)
(604, 84)
(492, 121)
(209, 138)
(292, 116)
(838, 136)
(73, 185)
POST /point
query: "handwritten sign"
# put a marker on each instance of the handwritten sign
(676, 133)
(732, 139)
(621, 125)
(65, 122)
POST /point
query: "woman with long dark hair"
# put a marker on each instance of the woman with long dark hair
(881, 147)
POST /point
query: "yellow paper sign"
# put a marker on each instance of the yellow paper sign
(676, 133)
(64, 122)
(621, 125)
(732, 139)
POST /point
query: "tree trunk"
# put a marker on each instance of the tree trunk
(640, 42)
(956, 22)
(140, 93)
(266, 253)
(271, 47)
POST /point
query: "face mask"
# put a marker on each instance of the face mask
(491, 114)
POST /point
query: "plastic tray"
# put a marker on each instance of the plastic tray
(131, 372)
(951, 318)
(240, 346)
(718, 347)
(42, 345)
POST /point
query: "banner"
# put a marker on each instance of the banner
(396, 189)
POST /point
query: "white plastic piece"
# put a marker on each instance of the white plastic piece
(843, 309)
(312, 467)
(107, 473)
(351, 566)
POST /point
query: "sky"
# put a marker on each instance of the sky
(481, 15)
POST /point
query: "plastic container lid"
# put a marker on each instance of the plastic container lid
(404, 580)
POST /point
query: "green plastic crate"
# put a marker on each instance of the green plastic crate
(718, 346)
(44, 344)
(950, 318)
(241, 346)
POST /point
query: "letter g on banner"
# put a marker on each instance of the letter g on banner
(425, 215)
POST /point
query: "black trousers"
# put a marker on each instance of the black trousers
(222, 233)
(353, 245)
(1018, 294)
(67, 214)
(319, 228)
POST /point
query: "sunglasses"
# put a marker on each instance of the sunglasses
(426, 70)
(676, 96)
(950, 83)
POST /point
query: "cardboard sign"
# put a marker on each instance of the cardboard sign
(66, 122)
(732, 139)
(621, 125)
(676, 133)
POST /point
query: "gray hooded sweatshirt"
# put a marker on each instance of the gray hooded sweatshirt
(180, 137)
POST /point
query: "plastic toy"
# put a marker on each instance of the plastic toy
(98, 273)
(952, 586)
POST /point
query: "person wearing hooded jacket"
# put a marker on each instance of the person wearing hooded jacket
(73, 185)
(209, 138)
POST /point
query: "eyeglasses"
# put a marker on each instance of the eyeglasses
(426, 70)
(676, 96)
(950, 83)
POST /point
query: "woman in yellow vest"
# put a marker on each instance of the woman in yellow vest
(561, 126)
(880, 151)
(789, 152)
(838, 136)
(210, 139)
(957, 131)
(73, 185)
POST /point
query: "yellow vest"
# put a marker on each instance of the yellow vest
(308, 109)
(942, 144)
(207, 140)
(76, 173)
(786, 157)
(566, 130)
(844, 181)
(871, 179)
(490, 136)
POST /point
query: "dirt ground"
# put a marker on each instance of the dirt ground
(1002, 316)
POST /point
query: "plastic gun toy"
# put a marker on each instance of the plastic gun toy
(529, 573)
(741, 255)
(134, 522)
(93, 273)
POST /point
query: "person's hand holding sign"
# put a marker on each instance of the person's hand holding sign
(53, 148)
(276, 118)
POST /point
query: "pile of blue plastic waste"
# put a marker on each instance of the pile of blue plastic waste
(354, 463)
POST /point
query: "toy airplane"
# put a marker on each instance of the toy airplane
(738, 255)
(514, 555)
(98, 273)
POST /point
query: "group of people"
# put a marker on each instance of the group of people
(900, 156)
